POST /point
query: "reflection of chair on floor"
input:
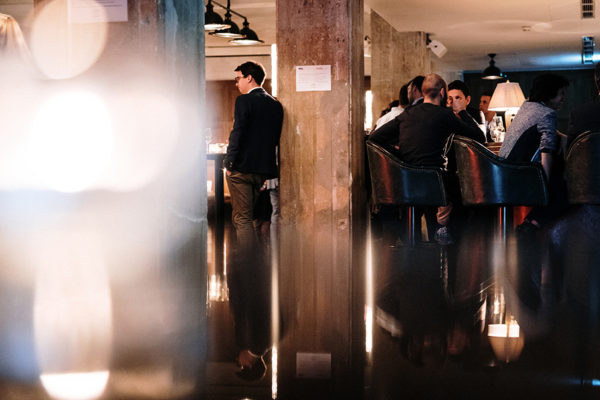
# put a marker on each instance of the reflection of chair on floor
(394, 182)
(488, 180)
(580, 237)
(583, 169)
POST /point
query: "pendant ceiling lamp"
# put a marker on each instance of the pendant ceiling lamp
(492, 72)
(212, 20)
(250, 37)
(233, 32)
(216, 26)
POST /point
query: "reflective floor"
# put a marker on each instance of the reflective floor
(222, 382)
(489, 316)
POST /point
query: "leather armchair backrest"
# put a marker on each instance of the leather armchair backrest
(486, 179)
(397, 183)
(583, 169)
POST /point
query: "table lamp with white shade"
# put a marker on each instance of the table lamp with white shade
(507, 97)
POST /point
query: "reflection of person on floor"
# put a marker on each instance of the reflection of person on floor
(250, 161)
(262, 216)
(266, 214)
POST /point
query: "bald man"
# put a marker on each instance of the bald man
(425, 128)
(422, 138)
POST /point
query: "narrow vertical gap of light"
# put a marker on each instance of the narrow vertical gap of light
(274, 373)
(274, 321)
(274, 239)
(369, 301)
(274, 70)
(368, 110)
(225, 261)
(224, 172)
(274, 258)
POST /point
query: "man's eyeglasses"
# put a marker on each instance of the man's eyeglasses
(237, 78)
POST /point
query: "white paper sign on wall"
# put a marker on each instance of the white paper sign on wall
(313, 78)
(89, 12)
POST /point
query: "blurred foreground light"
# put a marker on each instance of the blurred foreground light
(145, 138)
(70, 142)
(75, 386)
(62, 49)
(73, 321)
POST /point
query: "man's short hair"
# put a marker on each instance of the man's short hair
(546, 87)
(404, 95)
(459, 85)
(256, 70)
(417, 81)
(487, 93)
(432, 84)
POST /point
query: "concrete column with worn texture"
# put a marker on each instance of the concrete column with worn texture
(397, 57)
(322, 200)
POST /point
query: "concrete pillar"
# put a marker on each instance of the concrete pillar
(396, 58)
(322, 200)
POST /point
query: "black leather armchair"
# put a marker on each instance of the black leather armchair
(583, 169)
(397, 183)
(487, 179)
(394, 182)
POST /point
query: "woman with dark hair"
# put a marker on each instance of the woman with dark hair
(532, 137)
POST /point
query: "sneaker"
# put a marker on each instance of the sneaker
(442, 236)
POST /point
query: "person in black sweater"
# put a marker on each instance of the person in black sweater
(422, 139)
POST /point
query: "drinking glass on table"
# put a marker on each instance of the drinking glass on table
(492, 127)
(497, 129)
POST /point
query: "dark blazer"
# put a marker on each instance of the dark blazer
(258, 118)
(584, 118)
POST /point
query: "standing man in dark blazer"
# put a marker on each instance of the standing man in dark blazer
(250, 161)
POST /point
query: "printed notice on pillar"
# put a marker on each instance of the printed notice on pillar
(89, 12)
(313, 78)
